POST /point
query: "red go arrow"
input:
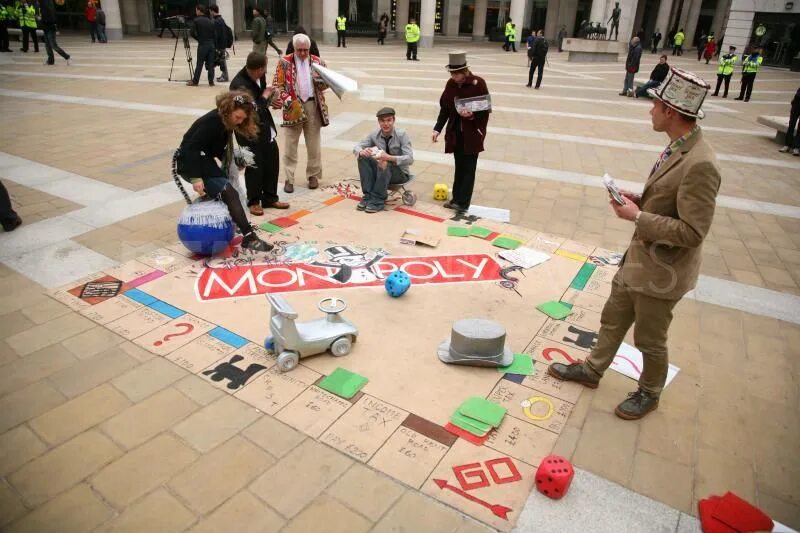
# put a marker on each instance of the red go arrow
(496, 509)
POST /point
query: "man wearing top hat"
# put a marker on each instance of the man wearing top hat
(671, 219)
(384, 157)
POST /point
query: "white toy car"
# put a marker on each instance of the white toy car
(292, 341)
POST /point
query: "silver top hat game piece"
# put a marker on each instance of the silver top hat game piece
(476, 342)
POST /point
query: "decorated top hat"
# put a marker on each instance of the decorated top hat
(458, 61)
(337, 252)
(476, 342)
(683, 91)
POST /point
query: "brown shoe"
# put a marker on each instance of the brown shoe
(277, 205)
(574, 372)
(256, 210)
(288, 187)
(313, 182)
(637, 405)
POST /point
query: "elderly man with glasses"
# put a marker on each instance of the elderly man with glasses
(300, 91)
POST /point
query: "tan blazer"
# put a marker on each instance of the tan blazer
(678, 201)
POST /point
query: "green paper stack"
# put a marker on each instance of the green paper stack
(343, 383)
(478, 416)
(458, 231)
(555, 310)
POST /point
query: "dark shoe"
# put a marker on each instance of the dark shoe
(527, 85)
(715, 94)
(373, 209)
(452, 205)
(211, 84)
(223, 79)
(190, 83)
(574, 372)
(256, 210)
(277, 205)
(252, 242)
(313, 182)
(361, 205)
(740, 98)
(746, 99)
(637, 405)
(288, 187)
(12, 224)
(623, 93)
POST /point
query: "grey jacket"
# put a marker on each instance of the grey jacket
(399, 145)
(259, 30)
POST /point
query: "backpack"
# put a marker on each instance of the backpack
(545, 45)
(228, 36)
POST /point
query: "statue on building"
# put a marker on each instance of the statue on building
(614, 20)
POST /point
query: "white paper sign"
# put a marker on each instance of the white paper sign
(493, 213)
(524, 257)
(629, 362)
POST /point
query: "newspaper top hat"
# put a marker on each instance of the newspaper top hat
(683, 91)
(336, 252)
(458, 61)
(476, 342)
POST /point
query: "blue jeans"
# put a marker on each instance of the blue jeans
(642, 91)
(375, 181)
(50, 44)
(101, 33)
(628, 81)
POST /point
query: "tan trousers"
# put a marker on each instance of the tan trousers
(311, 130)
(651, 318)
(260, 47)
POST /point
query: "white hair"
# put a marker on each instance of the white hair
(300, 38)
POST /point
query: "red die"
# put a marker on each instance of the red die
(554, 476)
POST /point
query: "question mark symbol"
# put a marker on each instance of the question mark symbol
(189, 329)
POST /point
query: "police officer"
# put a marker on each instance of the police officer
(749, 70)
(412, 38)
(4, 17)
(506, 33)
(27, 23)
(341, 31)
(725, 70)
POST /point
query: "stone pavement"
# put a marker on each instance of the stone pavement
(97, 433)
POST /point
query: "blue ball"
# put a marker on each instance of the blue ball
(205, 240)
(397, 283)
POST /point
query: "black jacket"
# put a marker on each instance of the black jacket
(203, 30)
(207, 135)
(313, 50)
(660, 72)
(48, 12)
(540, 47)
(219, 32)
(796, 101)
(634, 56)
(243, 82)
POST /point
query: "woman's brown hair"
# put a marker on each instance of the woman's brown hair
(229, 102)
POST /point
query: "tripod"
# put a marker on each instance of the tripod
(181, 35)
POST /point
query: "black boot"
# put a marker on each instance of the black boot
(574, 372)
(252, 242)
(637, 405)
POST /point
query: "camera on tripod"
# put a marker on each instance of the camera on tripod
(181, 26)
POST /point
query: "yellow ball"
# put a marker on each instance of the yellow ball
(440, 192)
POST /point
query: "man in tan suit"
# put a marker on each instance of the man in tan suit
(672, 217)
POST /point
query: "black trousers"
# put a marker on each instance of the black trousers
(272, 44)
(7, 213)
(29, 33)
(699, 51)
(677, 50)
(165, 26)
(205, 56)
(747, 85)
(792, 139)
(4, 36)
(411, 50)
(262, 182)
(720, 78)
(341, 38)
(536, 63)
(464, 177)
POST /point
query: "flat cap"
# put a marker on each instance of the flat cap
(382, 112)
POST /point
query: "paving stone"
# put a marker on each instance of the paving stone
(607, 446)
(45, 311)
(243, 513)
(79, 414)
(415, 512)
(199, 390)
(231, 465)
(12, 323)
(137, 352)
(27, 403)
(32, 368)
(141, 470)
(78, 509)
(17, 447)
(7, 355)
(668, 437)
(89, 373)
(663, 480)
(216, 423)
(688, 524)
(784, 512)
(299, 477)
(11, 507)
(92, 342)
(43, 335)
(326, 510)
(567, 442)
(158, 511)
(152, 376)
(361, 480)
(63, 466)
(273, 435)
(717, 472)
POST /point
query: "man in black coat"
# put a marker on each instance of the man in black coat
(220, 31)
(203, 31)
(631, 66)
(48, 11)
(658, 75)
(538, 57)
(261, 181)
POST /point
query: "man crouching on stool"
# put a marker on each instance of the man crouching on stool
(384, 157)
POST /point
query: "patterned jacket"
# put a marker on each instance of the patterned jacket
(284, 81)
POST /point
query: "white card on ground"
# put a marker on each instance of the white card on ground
(629, 362)
(524, 257)
(492, 213)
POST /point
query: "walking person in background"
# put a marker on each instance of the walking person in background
(412, 39)
(383, 26)
(711, 47)
(49, 27)
(539, 56)
(792, 138)
(91, 17)
(203, 32)
(658, 75)
(270, 29)
(101, 24)
(656, 38)
(562, 34)
(259, 31)
(163, 22)
(631, 66)
(750, 68)
(529, 42)
(27, 23)
(507, 34)
(220, 42)
(677, 43)
(725, 70)
(701, 45)
(466, 130)
(341, 31)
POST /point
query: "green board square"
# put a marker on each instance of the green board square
(506, 242)
(556, 310)
(343, 383)
(482, 410)
(582, 277)
(476, 427)
(522, 365)
(480, 232)
(458, 231)
(272, 228)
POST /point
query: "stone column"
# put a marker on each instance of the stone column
(626, 19)
(306, 17)
(682, 21)
(316, 20)
(129, 16)
(662, 21)
(517, 13)
(598, 13)
(452, 18)
(428, 16)
(226, 12)
(383, 7)
(569, 10)
(330, 10)
(691, 22)
(720, 14)
(479, 21)
(113, 20)
(552, 22)
(401, 19)
(637, 20)
(145, 16)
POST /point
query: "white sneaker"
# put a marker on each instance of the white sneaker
(784, 149)
(796, 152)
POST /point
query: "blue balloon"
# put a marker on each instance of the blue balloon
(205, 227)
(397, 283)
